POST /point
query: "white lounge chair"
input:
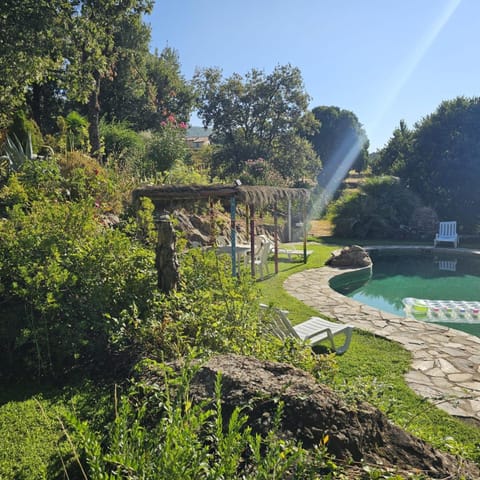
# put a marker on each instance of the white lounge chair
(293, 252)
(314, 330)
(447, 232)
(448, 265)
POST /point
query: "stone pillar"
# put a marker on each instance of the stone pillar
(166, 259)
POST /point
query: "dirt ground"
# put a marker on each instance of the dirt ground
(320, 228)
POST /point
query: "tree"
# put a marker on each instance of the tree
(393, 158)
(95, 52)
(32, 39)
(444, 164)
(171, 93)
(340, 138)
(258, 116)
(147, 87)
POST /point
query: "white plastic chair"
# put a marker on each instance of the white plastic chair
(261, 258)
(314, 330)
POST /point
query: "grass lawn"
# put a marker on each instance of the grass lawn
(373, 368)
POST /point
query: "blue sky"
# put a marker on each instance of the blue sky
(385, 60)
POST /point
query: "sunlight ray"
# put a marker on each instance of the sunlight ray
(406, 70)
(342, 161)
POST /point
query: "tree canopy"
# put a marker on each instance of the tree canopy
(340, 136)
(32, 43)
(91, 56)
(259, 116)
(439, 159)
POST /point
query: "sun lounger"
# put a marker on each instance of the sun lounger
(314, 330)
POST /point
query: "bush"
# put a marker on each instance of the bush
(63, 277)
(123, 146)
(165, 147)
(212, 312)
(25, 130)
(377, 210)
(84, 178)
(73, 133)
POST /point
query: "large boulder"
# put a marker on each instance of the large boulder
(353, 256)
(311, 411)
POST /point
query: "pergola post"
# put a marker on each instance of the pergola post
(252, 239)
(275, 235)
(166, 259)
(289, 221)
(211, 212)
(233, 235)
(304, 221)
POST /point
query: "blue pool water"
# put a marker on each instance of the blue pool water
(427, 274)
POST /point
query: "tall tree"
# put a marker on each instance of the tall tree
(32, 39)
(444, 164)
(340, 138)
(394, 157)
(95, 52)
(258, 116)
(171, 93)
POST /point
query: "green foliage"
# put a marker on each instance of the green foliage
(340, 136)
(68, 273)
(123, 145)
(32, 36)
(438, 159)
(393, 158)
(84, 178)
(169, 92)
(31, 440)
(166, 146)
(376, 210)
(26, 132)
(166, 436)
(183, 173)
(73, 133)
(259, 116)
(17, 153)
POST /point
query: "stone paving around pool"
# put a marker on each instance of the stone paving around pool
(446, 362)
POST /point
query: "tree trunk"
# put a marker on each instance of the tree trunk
(166, 257)
(94, 118)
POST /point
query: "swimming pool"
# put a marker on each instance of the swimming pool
(432, 274)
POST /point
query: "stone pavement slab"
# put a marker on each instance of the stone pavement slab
(445, 362)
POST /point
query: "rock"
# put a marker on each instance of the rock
(353, 256)
(311, 410)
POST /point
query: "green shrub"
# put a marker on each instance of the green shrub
(70, 275)
(26, 130)
(123, 146)
(84, 178)
(165, 147)
(73, 133)
(42, 179)
(213, 312)
(377, 210)
(31, 441)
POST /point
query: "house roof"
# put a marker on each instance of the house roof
(198, 132)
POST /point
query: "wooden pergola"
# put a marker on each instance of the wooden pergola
(167, 197)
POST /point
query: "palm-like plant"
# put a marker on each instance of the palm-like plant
(16, 154)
